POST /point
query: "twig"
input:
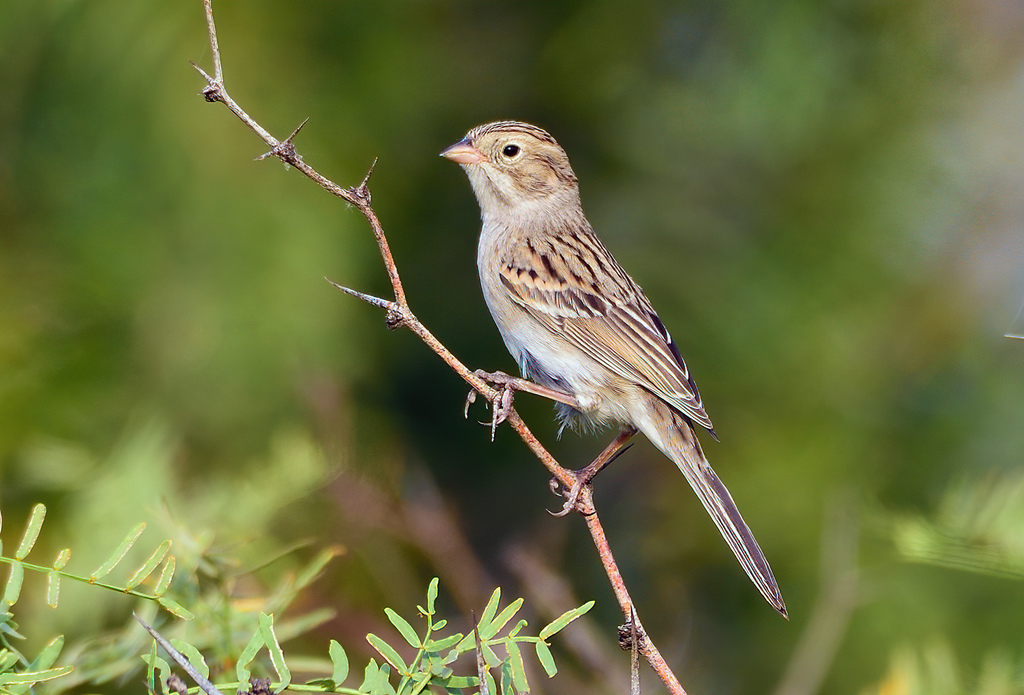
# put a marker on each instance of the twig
(634, 660)
(398, 314)
(204, 683)
(481, 663)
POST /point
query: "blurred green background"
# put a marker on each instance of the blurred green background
(823, 200)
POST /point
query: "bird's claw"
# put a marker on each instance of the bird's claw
(501, 407)
(501, 404)
(577, 495)
(495, 378)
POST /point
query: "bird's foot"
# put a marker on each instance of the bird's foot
(501, 380)
(578, 496)
(501, 404)
(498, 378)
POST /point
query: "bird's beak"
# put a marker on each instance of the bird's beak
(463, 152)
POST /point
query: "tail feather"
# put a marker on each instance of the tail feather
(679, 443)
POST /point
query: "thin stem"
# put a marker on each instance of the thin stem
(646, 646)
(211, 28)
(182, 661)
(78, 578)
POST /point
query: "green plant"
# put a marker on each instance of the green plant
(18, 673)
(105, 656)
(431, 666)
(218, 623)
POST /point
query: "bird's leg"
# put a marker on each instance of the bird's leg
(507, 381)
(584, 475)
(507, 385)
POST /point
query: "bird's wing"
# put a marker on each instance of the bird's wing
(604, 313)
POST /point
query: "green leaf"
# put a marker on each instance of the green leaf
(545, 658)
(515, 658)
(506, 679)
(62, 559)
(443, 643)
(489, 684)
(119, 553)
(13, 589)
(483, 625)
(194, 657)
(161, 667)
(457, 682)
(564, 619)
(490, 658)
(165, 577)
(322, 684)
(150, 660)
(383, 685)
(404, 627)
(174, 608)
(31, 677)
(490, 609)
(8, 660)
(501, 619)
(422, 680)
(147, 568)
(151, 667)
(340, 660)
(35, 523)
(242, 672)
(48, 656)
(276, 655)
(437, 668)
(52, 588)
(431, 595)
(388, 652)
(40, 665)
(371, 674)
(439, 625)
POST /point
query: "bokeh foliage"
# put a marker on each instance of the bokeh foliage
(822, 199)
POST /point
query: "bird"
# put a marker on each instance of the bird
(578, 325)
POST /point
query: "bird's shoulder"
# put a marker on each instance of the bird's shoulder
(566, 267)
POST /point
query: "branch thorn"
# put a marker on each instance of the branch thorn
(362, 191)
(368, 298)
(212, 91)
(296, 131)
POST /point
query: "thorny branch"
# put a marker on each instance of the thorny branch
(398, 314)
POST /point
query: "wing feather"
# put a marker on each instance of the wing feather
(612, 322)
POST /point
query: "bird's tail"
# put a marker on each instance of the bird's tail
(673, 434)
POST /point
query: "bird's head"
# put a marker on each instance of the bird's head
(511, 165)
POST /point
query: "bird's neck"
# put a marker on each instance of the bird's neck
(512, 227)
(533, 215)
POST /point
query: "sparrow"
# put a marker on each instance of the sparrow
(579, 327)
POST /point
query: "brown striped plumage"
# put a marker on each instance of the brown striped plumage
(577, 323)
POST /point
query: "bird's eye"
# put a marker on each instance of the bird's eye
(510, 150)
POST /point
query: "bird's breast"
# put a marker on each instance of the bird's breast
(544, 354)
